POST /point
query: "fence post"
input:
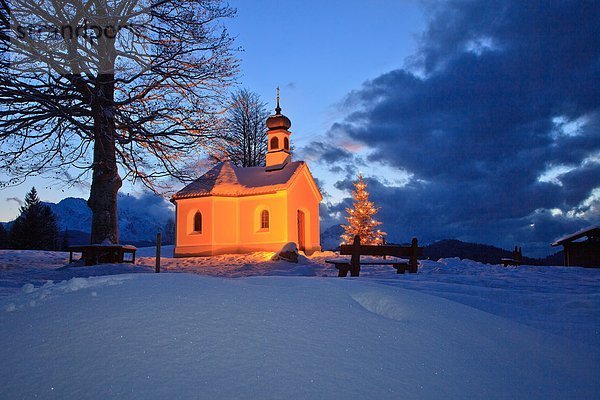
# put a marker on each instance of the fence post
(157, 267)
(355, 258)
(413, 264)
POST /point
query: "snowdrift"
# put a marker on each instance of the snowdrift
(157, 336)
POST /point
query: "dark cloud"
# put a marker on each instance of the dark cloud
(151, 204)
(336, 169)
(434, 211)
(498, 93)
(326, 152)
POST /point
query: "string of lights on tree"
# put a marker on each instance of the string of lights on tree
(360, 217)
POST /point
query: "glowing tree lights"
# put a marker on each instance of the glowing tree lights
(360, 217)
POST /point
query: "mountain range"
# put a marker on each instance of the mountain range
(140, 218)
(448, 248)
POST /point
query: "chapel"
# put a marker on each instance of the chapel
(232, 209)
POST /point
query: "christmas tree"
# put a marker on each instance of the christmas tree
(360, 217)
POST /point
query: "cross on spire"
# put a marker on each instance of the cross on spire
(278, 109)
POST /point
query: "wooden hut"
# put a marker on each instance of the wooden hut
(582, 249)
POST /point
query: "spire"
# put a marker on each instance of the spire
(277, 109)
(278, 120)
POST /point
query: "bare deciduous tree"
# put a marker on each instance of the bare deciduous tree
(121, 89)
(244, 141)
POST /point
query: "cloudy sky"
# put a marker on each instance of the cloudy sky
(474, 120)
(492, 125)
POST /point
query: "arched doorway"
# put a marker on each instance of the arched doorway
(301, 231)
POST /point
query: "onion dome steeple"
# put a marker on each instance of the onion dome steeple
(278, 120)
(278, 150)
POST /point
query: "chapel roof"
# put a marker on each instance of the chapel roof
(226, 179)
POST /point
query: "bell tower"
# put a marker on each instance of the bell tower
(278, 153)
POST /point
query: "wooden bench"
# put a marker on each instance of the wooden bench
(93, 254)
(355, 250)
(516, 260)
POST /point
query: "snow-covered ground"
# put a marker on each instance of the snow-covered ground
(457, 329)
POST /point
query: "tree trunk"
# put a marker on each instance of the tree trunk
(105, 179)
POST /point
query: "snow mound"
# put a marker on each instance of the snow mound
(36, 296)
(76, 284)
(382, 304)
(28, 288)
(557, 300)
(157, 336)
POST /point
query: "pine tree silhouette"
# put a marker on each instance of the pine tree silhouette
(35, 228)
(360, 217)
(169, 232)
(3, 237)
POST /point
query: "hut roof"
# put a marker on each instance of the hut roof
(589, 232)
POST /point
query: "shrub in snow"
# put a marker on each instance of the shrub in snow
(289, 252)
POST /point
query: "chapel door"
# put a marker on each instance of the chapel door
(301, 232)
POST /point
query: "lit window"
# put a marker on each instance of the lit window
(264, 219)
(274, 143)
(198, 222)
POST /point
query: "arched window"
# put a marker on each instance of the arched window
(198, 222)
(286, 143)
(264, 219)
(274, 143)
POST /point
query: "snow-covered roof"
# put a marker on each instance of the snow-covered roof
(225, 179)
(589, 231)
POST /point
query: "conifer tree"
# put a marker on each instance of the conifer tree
(360, 217)
(35, 228)
(169, 232)
(64, 246)
(3, 237)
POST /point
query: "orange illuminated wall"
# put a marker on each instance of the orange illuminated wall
(300, 194)
(233, 224)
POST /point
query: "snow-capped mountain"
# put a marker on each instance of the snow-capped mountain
(72, 214)
(140, 218)
(330, 237)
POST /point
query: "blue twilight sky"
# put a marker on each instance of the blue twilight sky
(473, 120)
(316, 51)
